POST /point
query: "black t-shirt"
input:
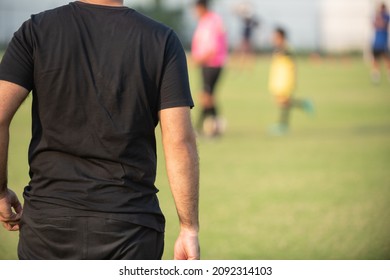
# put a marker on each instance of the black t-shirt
(99, 76)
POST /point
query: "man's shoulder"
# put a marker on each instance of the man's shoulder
(149, 23)
(144, 23)
(51, 14)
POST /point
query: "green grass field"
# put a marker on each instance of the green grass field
(321, 192)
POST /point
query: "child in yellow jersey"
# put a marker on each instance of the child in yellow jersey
(282, 82)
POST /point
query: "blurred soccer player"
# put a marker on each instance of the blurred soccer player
(249, 23)
(282, 82)
(380, 47)
(102, 77)
(209, 50)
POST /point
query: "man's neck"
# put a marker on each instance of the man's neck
(115, 3)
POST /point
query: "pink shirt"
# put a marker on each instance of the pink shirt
(209, 44)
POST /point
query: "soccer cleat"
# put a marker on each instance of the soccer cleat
(213, 126)
(210, 126)
(278, 129)
(308, 107)
(221, 125)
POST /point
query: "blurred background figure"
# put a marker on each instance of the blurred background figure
(249, 23)
(380, 47)
(282, 82)
(209, 51)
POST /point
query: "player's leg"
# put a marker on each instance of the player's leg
(214, 75)
(387, 60)
(206, 98)
(282, 125)
(284, 119)
(209, 122)
(219, 123)
(303, 104)
(375, 66)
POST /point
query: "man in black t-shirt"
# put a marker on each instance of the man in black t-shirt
(102, 77)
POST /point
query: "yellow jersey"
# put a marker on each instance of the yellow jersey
(282, 78)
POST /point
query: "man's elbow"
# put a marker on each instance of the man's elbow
(4, 122)
(183, 143)
(187, 139)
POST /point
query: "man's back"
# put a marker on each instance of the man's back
(100, 76)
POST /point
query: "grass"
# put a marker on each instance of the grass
(321, 192)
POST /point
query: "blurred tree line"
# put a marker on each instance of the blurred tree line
(172, 17)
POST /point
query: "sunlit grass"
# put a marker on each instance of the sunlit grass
(321, 192)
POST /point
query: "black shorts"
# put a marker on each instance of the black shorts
(378, 53)
(210, 77)
(91, 238)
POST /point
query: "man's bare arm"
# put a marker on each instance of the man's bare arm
(182, 165)
(11, 96)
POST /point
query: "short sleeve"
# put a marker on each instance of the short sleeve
(17, 65)
(175, 88)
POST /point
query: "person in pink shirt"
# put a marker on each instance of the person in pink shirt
(209, 51)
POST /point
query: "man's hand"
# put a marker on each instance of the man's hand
(187, 246)
(10, 219)
(11, 96)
